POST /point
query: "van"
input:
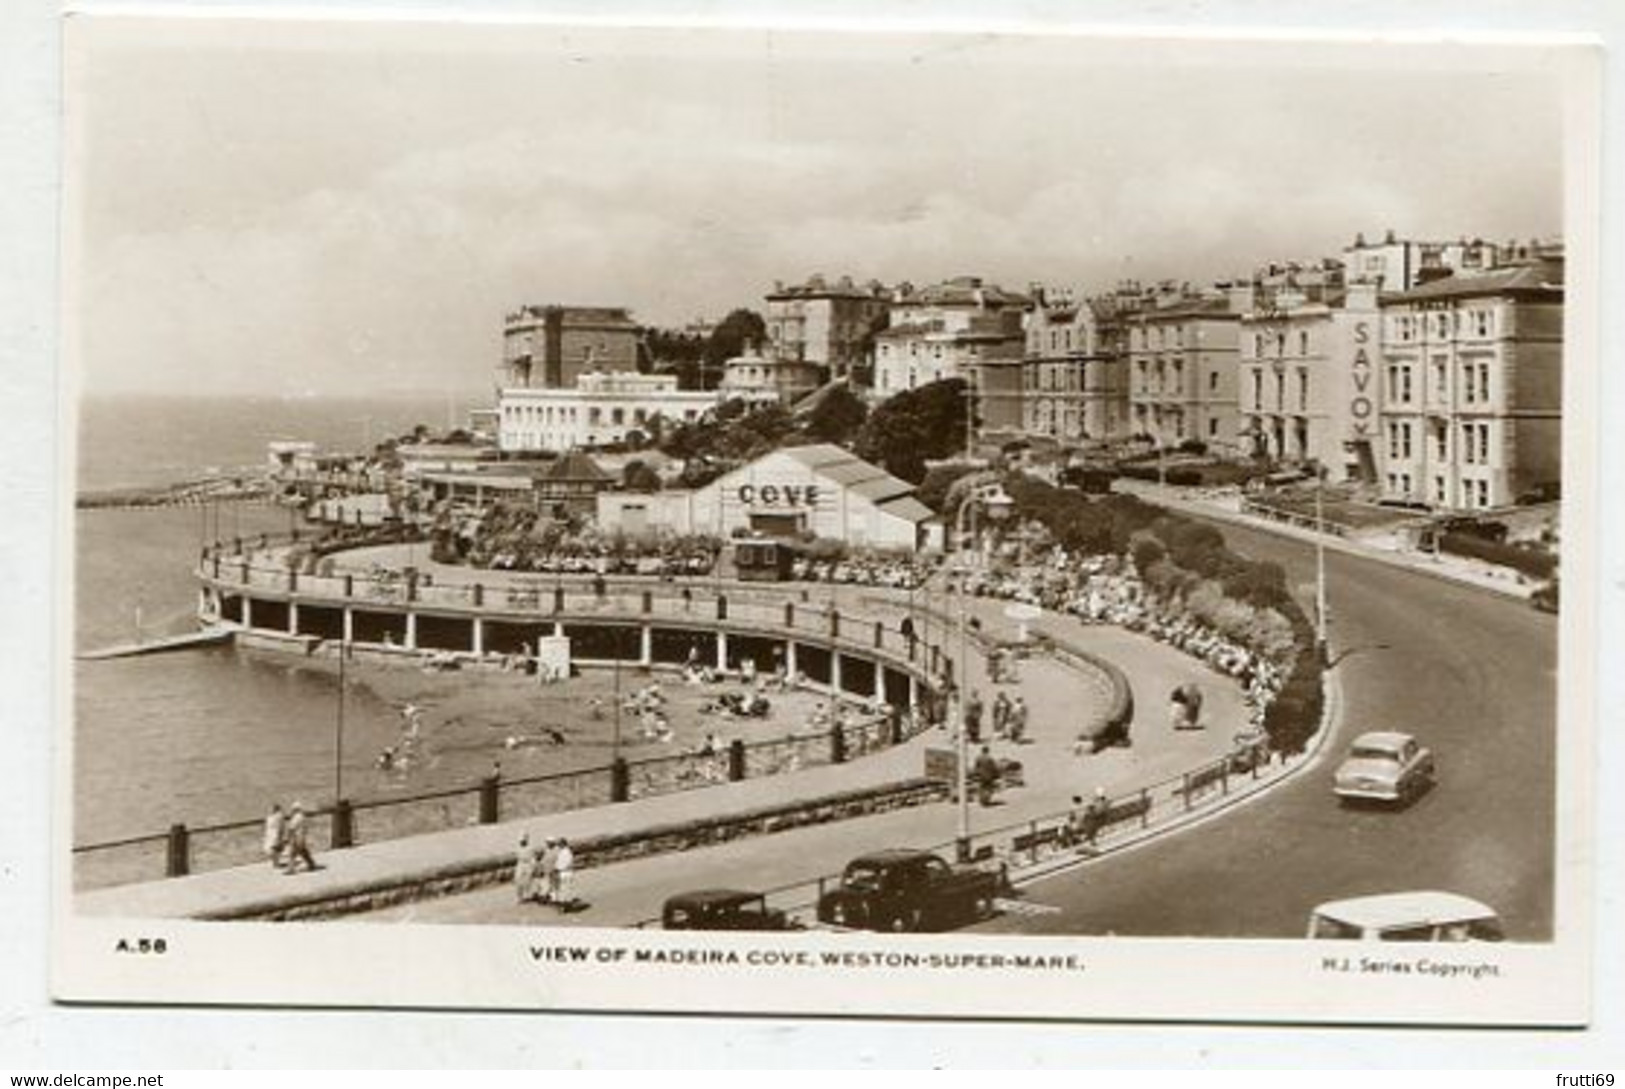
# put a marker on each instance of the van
(1407, 917)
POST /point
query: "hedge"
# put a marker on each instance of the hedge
(1539, 565)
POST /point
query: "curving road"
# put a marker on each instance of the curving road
(1471, 673)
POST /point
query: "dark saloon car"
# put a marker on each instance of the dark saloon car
(903, 890)
(722, 909)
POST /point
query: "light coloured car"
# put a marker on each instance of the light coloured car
(1385, 766)
(1407, 917)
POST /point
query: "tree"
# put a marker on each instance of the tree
(639, 477)
(915, 426)
(728, 339)
(836, 416)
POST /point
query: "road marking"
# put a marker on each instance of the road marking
(1024, 907)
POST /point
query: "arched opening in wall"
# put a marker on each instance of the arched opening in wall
(857, 676)
(896, 688)
(672, 646)
(371, 627)
(605, 642)
(765, 653)
(270, 615)
(445, 633)
(503, 637)
(814, 662)
(320, 621)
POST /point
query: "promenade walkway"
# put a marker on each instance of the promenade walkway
(1061, 702)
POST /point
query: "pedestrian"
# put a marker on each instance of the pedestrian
(564, 865)
(973, 718)
(524, 870)
(276, 834)
(1072, 832)
(544, 879)
(1001, 714)
(299, 840)
(986, 771)
(1095, 818)
(1018, 720)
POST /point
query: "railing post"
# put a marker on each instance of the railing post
(789, 615)
(1032, 848)
(736, 760)
(490, 796)
(343, 830)
(834, 624)
(1145, 808)
(1185, 789)
(880, 635)
(837, 745)
(722, 606)
(620, 780)
(349, 585)
(648, 601)
(177, 862)
(558, 599)
(479, 595)
(1224, 777)
(293, 580)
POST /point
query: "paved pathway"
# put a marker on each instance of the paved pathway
(627, 892)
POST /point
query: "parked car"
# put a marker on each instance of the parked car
(722, 909)
(1385, 766)
(1407, 917)
(903, 890)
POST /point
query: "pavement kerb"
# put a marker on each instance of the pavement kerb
(1330, 719)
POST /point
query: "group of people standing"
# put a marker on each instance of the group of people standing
(545, 874)
(287, 838)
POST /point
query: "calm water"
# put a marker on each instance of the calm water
(202, 735)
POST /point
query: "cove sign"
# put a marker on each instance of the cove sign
(778, 495)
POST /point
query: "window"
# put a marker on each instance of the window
(1303, 390)
(1258, 389)
(1442, 440)
(1467, 445)
(1438, 489)
(1405, 384)
(1258, 345)
(1484, 381)
(1303, 342)
(1484, 443)
(1212, 428)
(1213, 381)
(1467, 384)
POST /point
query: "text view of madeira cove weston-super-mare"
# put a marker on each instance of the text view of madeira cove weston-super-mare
(721, 488)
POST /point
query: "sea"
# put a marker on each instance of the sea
(200, 736)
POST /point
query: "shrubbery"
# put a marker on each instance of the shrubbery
(1247, 601)
(1535, 564)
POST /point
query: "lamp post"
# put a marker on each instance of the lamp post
(998, 504)
(1320, 563)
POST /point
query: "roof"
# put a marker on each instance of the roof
(964, 291)
(907, 507)
(1514, 279)
(1215, 307)
(574, 465)
(712, 898)
(1400, 908)
(1383, 739)
(889, 856)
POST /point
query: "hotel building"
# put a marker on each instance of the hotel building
(1072, 390)
(1183, 365)
(825, 324)
(1472, 387)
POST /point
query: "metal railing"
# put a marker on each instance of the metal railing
(187, 849)
(1073, 833)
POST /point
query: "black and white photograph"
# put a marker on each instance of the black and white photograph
(773, 520)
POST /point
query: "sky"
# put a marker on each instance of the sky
(298, 209)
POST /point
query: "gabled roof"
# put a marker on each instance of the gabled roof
(575, 466)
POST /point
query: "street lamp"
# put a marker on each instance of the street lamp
(1320, 562)
(998, 504)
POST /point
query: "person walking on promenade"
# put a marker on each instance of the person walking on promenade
(524, 871)
(276, 835)
(1095, 819)
(986, 772)
(973, 718)
(299, 840)
(564, 867)
(544, 881)
(1001, 714)
(1017, 726)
